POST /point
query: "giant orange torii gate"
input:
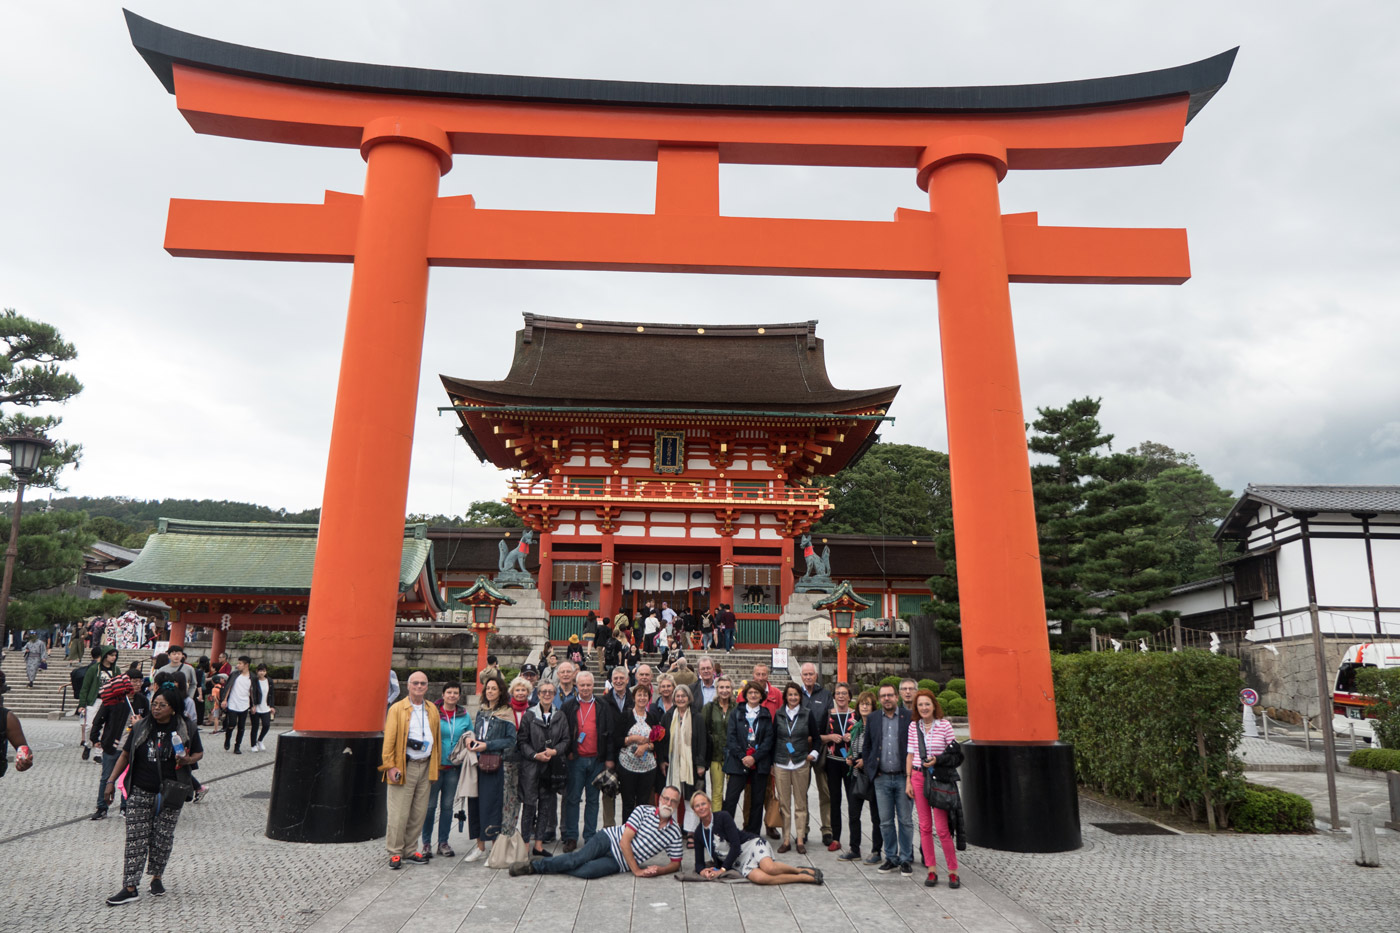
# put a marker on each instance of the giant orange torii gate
(408, 123)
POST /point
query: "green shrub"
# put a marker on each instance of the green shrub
(929, 685)
(1138, 721)
(1270, 810)
(957, 706)
(891, 681)
(958, 686)
(270, 638)
(281, 672)
(1381, 759)
(437, 675)
(1383, 687)
(948, 696)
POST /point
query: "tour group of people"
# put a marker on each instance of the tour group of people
(659, 762)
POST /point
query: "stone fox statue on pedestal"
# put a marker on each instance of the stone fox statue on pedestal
(513, 559)
(816, 566)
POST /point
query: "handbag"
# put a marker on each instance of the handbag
(941, 795)
(861, 785)
(487, 762)
(507, 851)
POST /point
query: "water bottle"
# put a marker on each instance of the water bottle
(176, 745)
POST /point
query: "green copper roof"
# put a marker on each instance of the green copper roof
(843, 591)
(482, 585)
(246, 557)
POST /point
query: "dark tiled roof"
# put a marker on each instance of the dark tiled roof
(241, 557)
(1329, 498)
(750, 367)
(474, 550)
(1307, 498)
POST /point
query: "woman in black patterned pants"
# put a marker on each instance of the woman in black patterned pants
(159, 749)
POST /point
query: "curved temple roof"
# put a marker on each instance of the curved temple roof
(573, 362)
(162, 47)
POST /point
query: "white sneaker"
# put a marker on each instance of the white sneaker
(476, 855)
(254, 748)
(262, 746)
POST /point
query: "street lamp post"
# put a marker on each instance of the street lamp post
(484, 599)
(26, 450)
(843, 604)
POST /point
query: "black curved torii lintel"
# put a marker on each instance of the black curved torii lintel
(162, 47)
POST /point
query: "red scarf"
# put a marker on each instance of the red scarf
(519, 706)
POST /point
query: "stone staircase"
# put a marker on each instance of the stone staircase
(738, 666)
(47, 695)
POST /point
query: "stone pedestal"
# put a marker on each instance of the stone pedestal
(528, 618)
(800, 623)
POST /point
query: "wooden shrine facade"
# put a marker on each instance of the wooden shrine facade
(665, 461)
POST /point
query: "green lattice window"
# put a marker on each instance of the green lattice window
(911, 604)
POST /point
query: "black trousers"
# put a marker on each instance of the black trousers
(734, 788)
(262, 722)
(839, 781)
(230, 718)
(637, 789)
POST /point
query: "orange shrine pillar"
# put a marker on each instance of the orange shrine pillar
(1006, 646)
(218, 642)
(327, 786)
(546, 577)
(177, 628)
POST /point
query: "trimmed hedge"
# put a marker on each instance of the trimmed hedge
(1139, 723)
(1381, 759)
(948, 696)
(955, 707)
(958, 686)
(891, 681)
(929, 685)
(1270, 810)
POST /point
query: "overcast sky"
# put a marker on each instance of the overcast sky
(1277, 362)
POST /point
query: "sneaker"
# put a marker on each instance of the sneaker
(157, 889)
(874, 859)
(98, 815)
(521, 868)
(418, 858)
(906, 869)
(445, 850)
(238, 751)
(888, 867)
(476, 855)
(124, 896)
(262, 746)
(833, 846)
(395, 862)
(851, 856)
(199, 794)
(932, 880)
(87, 753)
(953, 881)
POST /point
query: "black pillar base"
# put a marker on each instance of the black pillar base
(326, 787)
(1021, 797)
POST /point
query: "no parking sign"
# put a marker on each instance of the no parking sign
(1248, 697)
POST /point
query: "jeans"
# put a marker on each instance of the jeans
(109, 761)
(232, 718)
(582, 771)
(707, 640)
(895, 808)
(440, 795)
(727, 637)
(593, 859)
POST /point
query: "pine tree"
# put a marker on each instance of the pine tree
(30, 375)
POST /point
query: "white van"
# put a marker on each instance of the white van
(1349, 707)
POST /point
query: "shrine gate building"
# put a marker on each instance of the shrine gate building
(671, 462)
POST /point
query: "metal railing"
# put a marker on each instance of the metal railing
(720, 492)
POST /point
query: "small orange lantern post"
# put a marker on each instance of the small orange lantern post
(843, 604)
(484, 599)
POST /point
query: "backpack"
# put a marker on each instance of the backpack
(76, 678)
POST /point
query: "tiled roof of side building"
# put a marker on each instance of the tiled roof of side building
(241, 557)
(749, 367)
(1333, 498)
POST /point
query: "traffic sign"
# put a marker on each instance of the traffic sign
(1249, 697)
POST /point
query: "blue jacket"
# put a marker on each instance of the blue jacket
(450, 731)
(500, 734)
(737, 741)
(875, 732)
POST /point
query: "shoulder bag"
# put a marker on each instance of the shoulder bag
(941, 795)
(487, 762)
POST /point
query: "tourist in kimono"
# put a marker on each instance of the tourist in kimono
(36, 656)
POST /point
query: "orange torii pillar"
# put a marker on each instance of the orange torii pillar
(1019, 790)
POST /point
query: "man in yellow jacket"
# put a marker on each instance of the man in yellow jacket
(410, 765)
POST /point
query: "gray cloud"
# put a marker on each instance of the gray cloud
(215, 378)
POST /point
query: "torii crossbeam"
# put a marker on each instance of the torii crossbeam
(408, 123)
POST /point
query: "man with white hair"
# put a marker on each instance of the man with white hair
(591, 729)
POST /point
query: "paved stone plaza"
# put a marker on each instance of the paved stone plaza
(225, 874)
